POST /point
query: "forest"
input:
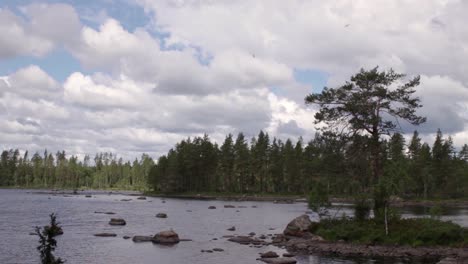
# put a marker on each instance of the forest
(413, 169)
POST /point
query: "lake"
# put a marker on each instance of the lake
(22, 210)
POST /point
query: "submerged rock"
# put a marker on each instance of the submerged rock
(117, 221)
(282, 260)
(298, 226)
(142, 239)
(105, 235)
(269, 254)
(161, 215)
(166, 237)
(245, 240)
(108, 213)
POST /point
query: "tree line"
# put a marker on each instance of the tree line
(106, 170)
(413, 169)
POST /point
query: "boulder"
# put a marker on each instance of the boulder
(233, 228)
(218, 249)
(166, 237)
(212, 207)
(229, 206)
(141, 198)
(252, 234)
(126, 237)
(269, 254)
(282, 260)
(298, 226)
(117, 221)
(88, 196)
(105, 235)
(142, 239)
(161, 215)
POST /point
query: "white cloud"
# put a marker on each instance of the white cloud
(41, 28)
(137, 95)
(33, 83)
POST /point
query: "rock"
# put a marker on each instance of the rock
(241, 206)
(207, 251)
(166, 237)
(185, 239)
(218, 249)
(269, 254)
(189, 211)
(233, 228)
(142, 239)
(141, 198)
(105, 235)
(298, 226)
(163, 201)
(117, 221)
(32, 234)
(108, 213)
(244, 240)
(229, 206)
(125, 200)
(214, 238)
(126, 237)
(254, 206)
(88, 196)
(288, 255)
(283, 260)
(448, 261)
(252, 234)
(262, 237)
(212, 207)
(161, 215)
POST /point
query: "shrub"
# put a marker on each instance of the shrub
(47, 243)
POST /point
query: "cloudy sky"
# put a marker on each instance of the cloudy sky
(137, 76)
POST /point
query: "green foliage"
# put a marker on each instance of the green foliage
(362, 207)
(436, 212)
(319, 199)
(47, 242)
(412, 232)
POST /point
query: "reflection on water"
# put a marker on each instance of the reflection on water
(21, 211)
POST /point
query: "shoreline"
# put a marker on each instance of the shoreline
(309, 247)
(236, 197)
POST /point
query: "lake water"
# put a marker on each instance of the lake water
(22, 210)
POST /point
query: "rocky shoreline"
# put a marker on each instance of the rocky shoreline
(307, 246)
(298, 240)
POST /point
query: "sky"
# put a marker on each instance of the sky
(133, 77)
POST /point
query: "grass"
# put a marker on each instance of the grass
(411, 232)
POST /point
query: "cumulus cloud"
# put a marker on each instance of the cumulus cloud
(39, 29)
(33, 83)
(219, 67)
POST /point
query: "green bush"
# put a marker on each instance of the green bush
(413, 232)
